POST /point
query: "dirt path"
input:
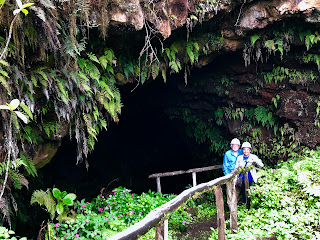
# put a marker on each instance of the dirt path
(199, 230)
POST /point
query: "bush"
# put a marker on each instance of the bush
(6, 234)
(285, 203)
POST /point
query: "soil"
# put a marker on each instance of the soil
(200, 230)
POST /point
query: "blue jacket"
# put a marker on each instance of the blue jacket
(229, 161)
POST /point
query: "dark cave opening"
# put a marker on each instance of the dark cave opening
(148, 139)
(145, 141)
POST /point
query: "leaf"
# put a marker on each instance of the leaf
(164, 76)
(109, 91)
(72, 196)
(60, 208)
(15, 12)
(42, 73)
(56, 193)
(270, 44)
(103, 61)
(14, 104)
(109, 55)
(4, 73)
(312, 38)
(190, 53)
(19, 3)
(25, 11)
(4, 63)
(143, 77)
(22, 116)
(154, 70)
(110, 69)
(196, 46)
(83, 76)
(193, 17)
(26, 109)
(67, 201)
(63, 194)
(5, 84)
(93, 57)
(4, 107)
(1, 2)
(254, 38)
(86, 87)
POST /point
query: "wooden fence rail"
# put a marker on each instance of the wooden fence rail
(193, 171)
(156, 215)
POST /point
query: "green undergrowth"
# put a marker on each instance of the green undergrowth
(107, 215)
(285, 204)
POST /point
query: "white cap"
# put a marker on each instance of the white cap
(246, 144)
(235, 141)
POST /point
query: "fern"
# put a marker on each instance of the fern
(263, 116)
(44, 199)
(28, 165)
(18, 179)
(63, 92)
(5, 84)
(91, 131)
(190, 52)
(83, 76)
(164, 75)
(155, 70)
(254, 38)
(93, 71)
(93, 57)
(42, 73)
(3, 167)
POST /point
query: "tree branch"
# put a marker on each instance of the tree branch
(9, 37)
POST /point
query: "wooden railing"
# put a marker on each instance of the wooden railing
(155, 216)
(193, 171)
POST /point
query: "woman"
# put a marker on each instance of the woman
(244, 161)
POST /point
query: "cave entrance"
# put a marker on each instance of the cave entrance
(146, 140)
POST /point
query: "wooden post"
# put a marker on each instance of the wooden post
(162, 232)
(220, 213)
(158, 185)
(246, 181)
(194, 179)
(165, 229)
(232, 202)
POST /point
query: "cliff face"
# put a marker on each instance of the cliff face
(260, 81)
(250, 67)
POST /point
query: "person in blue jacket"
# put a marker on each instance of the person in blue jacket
(230, 157)
(229, 162)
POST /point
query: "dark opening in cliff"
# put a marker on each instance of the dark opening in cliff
(146, 140)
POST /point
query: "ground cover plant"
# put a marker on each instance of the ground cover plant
(107, 215)
(284, 204)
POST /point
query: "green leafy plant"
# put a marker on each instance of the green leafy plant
(283, 204)
(7, 234)
(55, 202)
(308, 38)
(104, 216)
(275, 100)
(174, 63)
(9, 168)
(193, 51)
(254, 38)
